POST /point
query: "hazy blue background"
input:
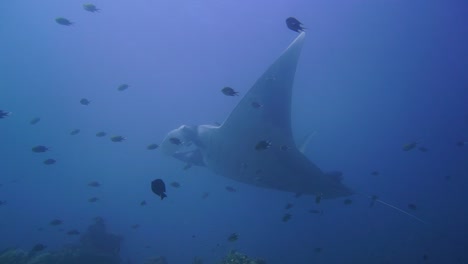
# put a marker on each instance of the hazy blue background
(373, 76)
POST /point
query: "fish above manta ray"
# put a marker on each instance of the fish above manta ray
(240, 148)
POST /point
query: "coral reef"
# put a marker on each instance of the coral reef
(234, 257)
(156, 260)
(96, 246)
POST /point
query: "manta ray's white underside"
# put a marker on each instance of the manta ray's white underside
(263, 114)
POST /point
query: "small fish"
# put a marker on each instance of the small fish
(175, 141)
(117, 139)
(39, 149)
(294, 24)
(256, 105)
(93, 199)
(423, 149)
(34, 121)
(286, 217)
(94, 184)
(285, 147)
(318, 198)
(101, 134)
(85, 101)
(462, 143)
(143, 203)
(159, 188)
(75, 132)
(135, 226)
(315, 211)
(205, 195)
(55, 222)
(4, 114)
(263, 144)
(230, 189)
(152, 146)
(49, 161)
(123, 87)
(63, 21)
(73, 232)
(412, 206)
(317, 250)
(233, 237)
(38, 247)
(374, 198)
(229, 91)
(348, 201)
(375, 173)
(175, 184)
(410, 146)
(288, 206)
(90, 8)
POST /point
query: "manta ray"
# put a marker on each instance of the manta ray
(262, 117)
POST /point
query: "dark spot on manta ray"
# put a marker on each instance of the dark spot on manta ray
(263, 144)
(294, 24)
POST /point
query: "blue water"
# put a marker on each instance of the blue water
(372, 77)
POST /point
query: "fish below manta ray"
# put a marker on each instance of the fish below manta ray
(229, 149)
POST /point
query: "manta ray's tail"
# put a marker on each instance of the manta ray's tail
(374, 199)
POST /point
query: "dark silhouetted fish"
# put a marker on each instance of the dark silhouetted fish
(73, 232)
(286, 217)
(4, 114)
(38, 247)
(230, 189)
(229, 91)
(85, 101)
(152, 146)
(63, 21)
(49, 161)
(75, 132)
(123, 87)
(175, 184)
(143, 203)
(90, 8)
(233, 237)
(263, 144)
(94, 184)
(56, 222)
(101, 134)
(39, 149)
(159, 188)
(34, 121)
(93, 199)
(294, 24)
(348, 201)
(117, 139)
